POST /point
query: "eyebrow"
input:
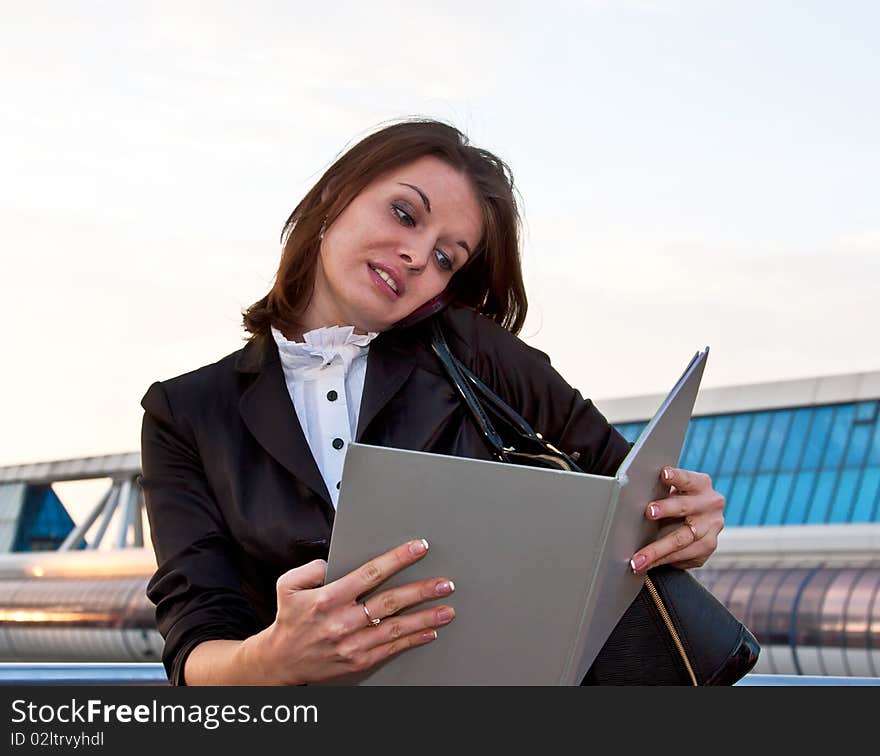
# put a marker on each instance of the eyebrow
(427, 203)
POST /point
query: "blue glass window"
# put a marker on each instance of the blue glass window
(839, 438)
(843, 498)
(702, 428)
(738, 432)
(818, 438)
(821, 501)
(755, 444)
(630, 431)
(858, 446)
(723, 484)
(874, 454)
(739, 497)
(778, 499)
(43, 523)
(775, 440)
(866, 411)
(865, 507)
(758, 499)
(685, 447)
(797, 439)
(717, 441)
(800, 497)
(789, 466)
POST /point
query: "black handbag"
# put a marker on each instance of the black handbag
(675, 632)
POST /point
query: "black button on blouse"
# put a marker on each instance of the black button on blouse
(338, 443)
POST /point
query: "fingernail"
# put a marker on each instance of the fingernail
(637, 561)
(667, 474)
(653, 510)
(429, 635)
(418, 547)
(444, 587)
(445, 614)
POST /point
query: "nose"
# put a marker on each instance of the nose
(414, 260)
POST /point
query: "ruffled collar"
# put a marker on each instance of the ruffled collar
(322, 346)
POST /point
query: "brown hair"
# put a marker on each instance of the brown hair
(490, 282)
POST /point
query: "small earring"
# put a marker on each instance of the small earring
(323, 229)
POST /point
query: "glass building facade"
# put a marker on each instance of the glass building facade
(791, 466)
(795, 457)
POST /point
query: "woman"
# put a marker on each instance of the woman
(242, 458)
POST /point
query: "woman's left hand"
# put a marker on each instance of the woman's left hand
(691, 518)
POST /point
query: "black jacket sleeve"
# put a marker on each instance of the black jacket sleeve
(525, 379)
(196, 588)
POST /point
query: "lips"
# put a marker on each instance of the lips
(381, 274)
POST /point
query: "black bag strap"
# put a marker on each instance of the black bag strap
(501, 409)
(453, 370)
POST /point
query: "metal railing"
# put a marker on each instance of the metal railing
(78, 673)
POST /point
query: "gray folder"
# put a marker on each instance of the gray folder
(540, 558)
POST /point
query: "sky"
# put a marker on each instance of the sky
(691, 174)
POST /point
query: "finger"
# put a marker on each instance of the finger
(676, 540)
(390, 602)
(310, 575)
(694, 555)
(685, 481)
(372, 574)
(386, 650)
(671, 506)
(400, 626)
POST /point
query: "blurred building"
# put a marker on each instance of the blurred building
(799, 559)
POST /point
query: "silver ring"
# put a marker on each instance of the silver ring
(369, 617)
(687, 521)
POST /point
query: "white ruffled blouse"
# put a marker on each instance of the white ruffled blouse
(325, 379)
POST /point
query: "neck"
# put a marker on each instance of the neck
(314, 317)
(298, 333)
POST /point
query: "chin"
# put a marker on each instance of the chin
(372, 324)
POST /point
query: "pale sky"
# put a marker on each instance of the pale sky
(692, 173)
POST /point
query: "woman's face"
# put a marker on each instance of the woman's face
(395, 246)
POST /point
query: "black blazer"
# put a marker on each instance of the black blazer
(234, 496)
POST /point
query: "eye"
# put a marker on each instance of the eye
(402, 215)
(443, 260)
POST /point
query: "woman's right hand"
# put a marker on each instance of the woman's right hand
(322, 631)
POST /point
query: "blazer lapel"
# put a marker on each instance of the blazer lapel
(391, 360)
(268, 412)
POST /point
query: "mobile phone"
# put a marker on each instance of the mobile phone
(431, 307)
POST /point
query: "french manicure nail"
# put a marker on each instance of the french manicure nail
(653, 510)
(637, 561)
(445, 614)
(667, 474)
(444, 587)
(418, 547)
(429, 635)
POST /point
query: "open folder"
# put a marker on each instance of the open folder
(539, 557)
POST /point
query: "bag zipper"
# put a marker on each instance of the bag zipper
(666, 618)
